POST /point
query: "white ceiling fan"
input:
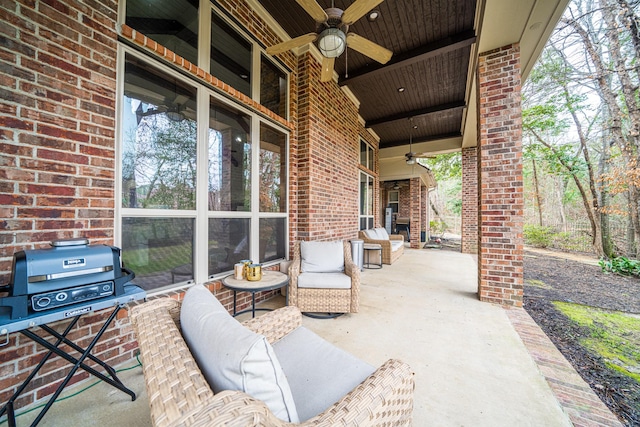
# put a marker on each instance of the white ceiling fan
(333, 34)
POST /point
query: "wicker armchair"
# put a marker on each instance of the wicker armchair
(392, 247)
(180, 396)
(324, 300)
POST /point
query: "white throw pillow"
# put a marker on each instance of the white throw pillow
(322, 257)
(230, 356)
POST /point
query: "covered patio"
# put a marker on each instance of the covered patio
(272, 153)
(475, 364)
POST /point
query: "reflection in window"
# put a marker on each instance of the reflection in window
(230, 56)
(273, 88)
(273, 170)
(173, 24)
(158, 140)
(158, 250)
(272, 239)
(228, 243)
(229, 159)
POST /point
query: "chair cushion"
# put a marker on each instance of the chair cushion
(382, 233)
(396, 244)
(322, 257)
(232, 357)
(324, 281)
(319, 373)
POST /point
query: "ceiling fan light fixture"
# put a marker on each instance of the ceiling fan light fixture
(174, 116)
(332, 42)
(411, 161)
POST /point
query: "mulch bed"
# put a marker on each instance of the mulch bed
(574, 281)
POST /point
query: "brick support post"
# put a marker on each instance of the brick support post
(470, 200)
(500, 190)
(415, 214)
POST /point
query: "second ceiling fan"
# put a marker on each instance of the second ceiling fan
(333, 34)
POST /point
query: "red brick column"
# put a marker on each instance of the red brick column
(500, 177)
(469, 200)
(415, 212)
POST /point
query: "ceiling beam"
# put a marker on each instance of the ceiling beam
(415, 113)
(419, 140)
(439, 47)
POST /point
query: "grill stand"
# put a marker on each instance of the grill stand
(53, 347)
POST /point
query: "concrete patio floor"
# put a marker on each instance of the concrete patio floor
(475, 364)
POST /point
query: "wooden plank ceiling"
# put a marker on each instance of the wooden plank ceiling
(431, 42)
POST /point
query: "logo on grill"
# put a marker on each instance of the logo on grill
(77, 312)
(73, 262)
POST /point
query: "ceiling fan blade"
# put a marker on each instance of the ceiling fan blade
(357, 10)
(291, 44)
(327, 69)
(369, 48)
(180, 99)
(313, 9)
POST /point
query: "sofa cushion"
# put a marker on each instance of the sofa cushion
(372, 234)
(232, 357)
(382, 233)
(396, 244)
(311, 364)
(322, 257)
(324, 281)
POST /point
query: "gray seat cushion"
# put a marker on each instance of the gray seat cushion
(319, 373)
(324, 281)
(230, 356)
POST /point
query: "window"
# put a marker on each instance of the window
(366, 201)
(159, 140)
(273, 170)
(173, 24)
(198, 191)
(366, 155)
(273, 87)
(229, 158)
(230, 56)
(394, 201)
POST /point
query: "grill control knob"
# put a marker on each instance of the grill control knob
(106, 288)
(43, 302)
(61, 296)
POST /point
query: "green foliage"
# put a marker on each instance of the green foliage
(540, 237)
(620, 265)
(445, 166)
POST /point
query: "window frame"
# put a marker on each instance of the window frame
(201, 213)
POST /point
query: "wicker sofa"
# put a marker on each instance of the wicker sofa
(392, 245)
(179, 394)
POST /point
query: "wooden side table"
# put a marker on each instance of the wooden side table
(270, 280)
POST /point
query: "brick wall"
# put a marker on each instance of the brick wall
(57, 127)
(328, 152)
(500, 260)
(470, 200)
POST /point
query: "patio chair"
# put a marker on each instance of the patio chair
(324, 279)
(285, 375)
